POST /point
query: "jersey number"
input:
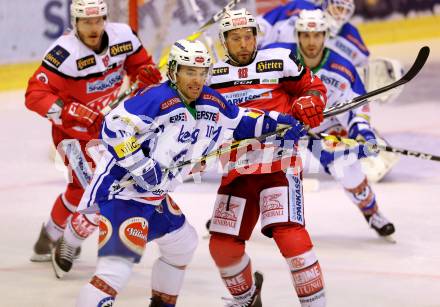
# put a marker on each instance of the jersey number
(242, 73)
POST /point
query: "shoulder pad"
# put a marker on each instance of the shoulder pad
(56, 56)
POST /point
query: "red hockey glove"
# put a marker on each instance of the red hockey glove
(76, 114)
(308, 109)
(148, 75)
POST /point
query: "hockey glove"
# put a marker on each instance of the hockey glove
(362, 131)
(147, 174)
(148, 75)
(308, 109)
(295, 132)
(76, 114)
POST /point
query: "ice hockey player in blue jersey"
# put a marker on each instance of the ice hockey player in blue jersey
(343, 84)
(278, 26)
(145, 136)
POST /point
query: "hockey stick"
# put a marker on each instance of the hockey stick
(420, 60)
(358, 101)
(77, 161)
(374, 147)
(199, 17)
(418, 64)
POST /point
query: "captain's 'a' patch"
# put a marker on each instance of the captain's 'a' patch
(57, 56)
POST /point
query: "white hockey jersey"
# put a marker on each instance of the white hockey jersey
(157, 124)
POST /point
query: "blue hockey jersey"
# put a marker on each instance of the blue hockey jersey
(278, 25)
(158, 124)
(342, 82)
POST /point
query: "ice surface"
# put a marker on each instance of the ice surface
(359, 268)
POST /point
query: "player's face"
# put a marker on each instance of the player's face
(241, 44)
(311, 43)
(339, 13)
(190, 81)
(90, 31)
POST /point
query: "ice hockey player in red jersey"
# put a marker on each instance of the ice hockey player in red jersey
(80, 74)
(269, 80)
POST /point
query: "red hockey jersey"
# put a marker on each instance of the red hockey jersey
(72, 72)
(272, 82)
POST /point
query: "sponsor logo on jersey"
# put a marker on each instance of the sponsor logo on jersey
(188, 137)
(297, 262)
(237, 284)
(86, 62)
(243, 82)
(134, 234)
(105, 231)
(215, 99)
(308, 281)
(331, 81)
(82, 226)
(357, 42)
(226, 214)
(343, 69)
(42, 77)
(298, 197)
(270, 65)
(121, 48)
(127, 147)
(172, 206)
(102, 85)
(269, 81)
(57, 56)
(210, 116)
(220, 71)
(272, 207)
(181, 117)
(169, 103)
(240, 97)
(346, 50)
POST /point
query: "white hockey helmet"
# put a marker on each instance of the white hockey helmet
(87, 9)
(311, 21)
(236, 19)
(338, 12)
(188, 53)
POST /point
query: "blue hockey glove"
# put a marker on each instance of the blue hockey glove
(362, 131)
(296, 132)
(147, 174)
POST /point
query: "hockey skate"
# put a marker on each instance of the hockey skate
(252, 301)
(62, 258)
(383, 227)
(42, 247)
